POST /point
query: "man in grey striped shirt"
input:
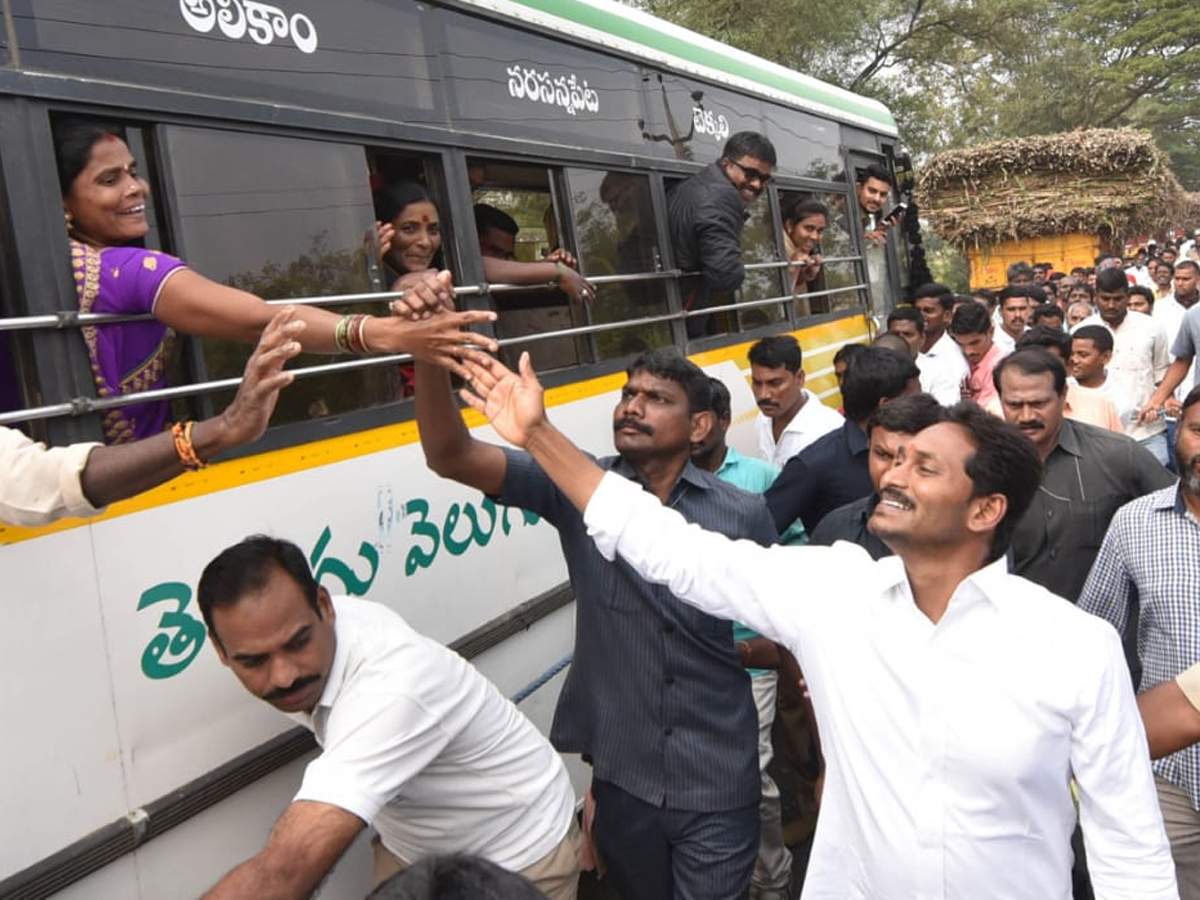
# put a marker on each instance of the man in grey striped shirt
(656, 700)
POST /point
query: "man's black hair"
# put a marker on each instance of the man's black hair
(907, 314)
(1004, 462)
(875, 374)
(248, 566)
(1048, 337)
(1163, 264)
(456, 876)
(775, 351)
(971, 318)
(670, 364)
(1028, 291)
(938, 292)
(1016, 269)
(907, 415)
(1142, 291)
(1033, 361)
(987, 296)
(749, 143)
(1190, 400)
(876, 171)
(489, 217)
(846, 351)
(1097, 334)
(1048, 311)
(804, 207)
(722, 403)
(889, 340)
(1187, 264)
(1112, 281)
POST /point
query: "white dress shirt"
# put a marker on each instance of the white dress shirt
(943, 369)
(813, 420)
(1169, 313)
(39, 485)
(949, 747)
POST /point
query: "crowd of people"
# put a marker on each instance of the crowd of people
(928, 588)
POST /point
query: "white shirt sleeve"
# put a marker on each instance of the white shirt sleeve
(740, 580)
(1127, 850)
(39, 485)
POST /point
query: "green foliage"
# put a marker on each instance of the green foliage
(957, 72)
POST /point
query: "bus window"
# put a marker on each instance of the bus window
(616, 235)
(759, 246)
(517, 194)
(825, 293)
(285, 220)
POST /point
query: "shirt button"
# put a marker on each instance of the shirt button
(670, 679)
(668, 730)
(1049, 514)
(1054, 554)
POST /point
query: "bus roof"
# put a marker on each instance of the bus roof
(642, 35)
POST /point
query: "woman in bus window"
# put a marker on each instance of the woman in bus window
(804, 223)
(104, 201)
(410, 232)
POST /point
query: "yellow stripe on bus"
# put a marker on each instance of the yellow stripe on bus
(826, 338)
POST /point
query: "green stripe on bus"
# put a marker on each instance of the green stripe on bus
(616, 24)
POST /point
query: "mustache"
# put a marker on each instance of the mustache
(893, 494)
(632, 423)
(296, 685)
(1031, 426)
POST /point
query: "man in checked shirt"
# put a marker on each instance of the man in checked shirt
(1151, 557)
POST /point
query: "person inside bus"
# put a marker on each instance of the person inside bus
(104, 203)
(656, 699)
(804, 224)
(497, 233)
(409, 229)
(414, 740)
(705, 216)
(40, 485)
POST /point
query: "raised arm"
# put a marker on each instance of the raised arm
(122, 470)
(424, 326)
(306, 842)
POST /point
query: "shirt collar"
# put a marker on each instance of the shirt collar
(1068, 439)
(690, 474)
(986, 583)
(732, 458)
(855, 438)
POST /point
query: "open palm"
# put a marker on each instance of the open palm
(512, 403)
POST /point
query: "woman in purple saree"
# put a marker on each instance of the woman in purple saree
(104, 200)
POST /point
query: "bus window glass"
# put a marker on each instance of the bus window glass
(691, 120)
(807, 146)
(833, 288)
(286, 221)
(759, 246)
(616, 235)
(521, 194)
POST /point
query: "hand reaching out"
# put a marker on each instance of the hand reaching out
(512, 403)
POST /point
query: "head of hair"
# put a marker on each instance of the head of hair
(456, 876)
(1028, 291)
(1187, 264)
(987, 296)
(1047, 311)
(875, 374)
(1056, 276)
(1082, 286)
(749, 143)
(392, 199)
(891, 341)
(1142, 291)
(805, 207)
(1033, 361)
(971, 318)
(846, 351)
(1192, 398)
(1017, 270)
(722, 402)
(669, 364)
(1163, 264)
(1048, 337)
(248, 566)
(1112, 281)
(937, 291)
(1097, 334)
(1004, 462)
(489, 217)
(874, 170)
(775, 351)
(906, 415)
(907, 314)
(74, 137)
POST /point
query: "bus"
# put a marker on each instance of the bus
(134, 765)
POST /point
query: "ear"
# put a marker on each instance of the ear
(216, 642)
(985, 513)
(800, 376)
(702, 425)
(325, 604)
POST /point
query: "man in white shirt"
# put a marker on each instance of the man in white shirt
(1016, 305)
(956, 702)
(414, 740)
(1140, 355)
(1170, 310)
(790, 416)
(942, 364)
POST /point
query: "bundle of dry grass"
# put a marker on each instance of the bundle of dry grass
(1111, 183)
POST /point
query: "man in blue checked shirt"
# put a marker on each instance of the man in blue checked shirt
(1151, 557)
